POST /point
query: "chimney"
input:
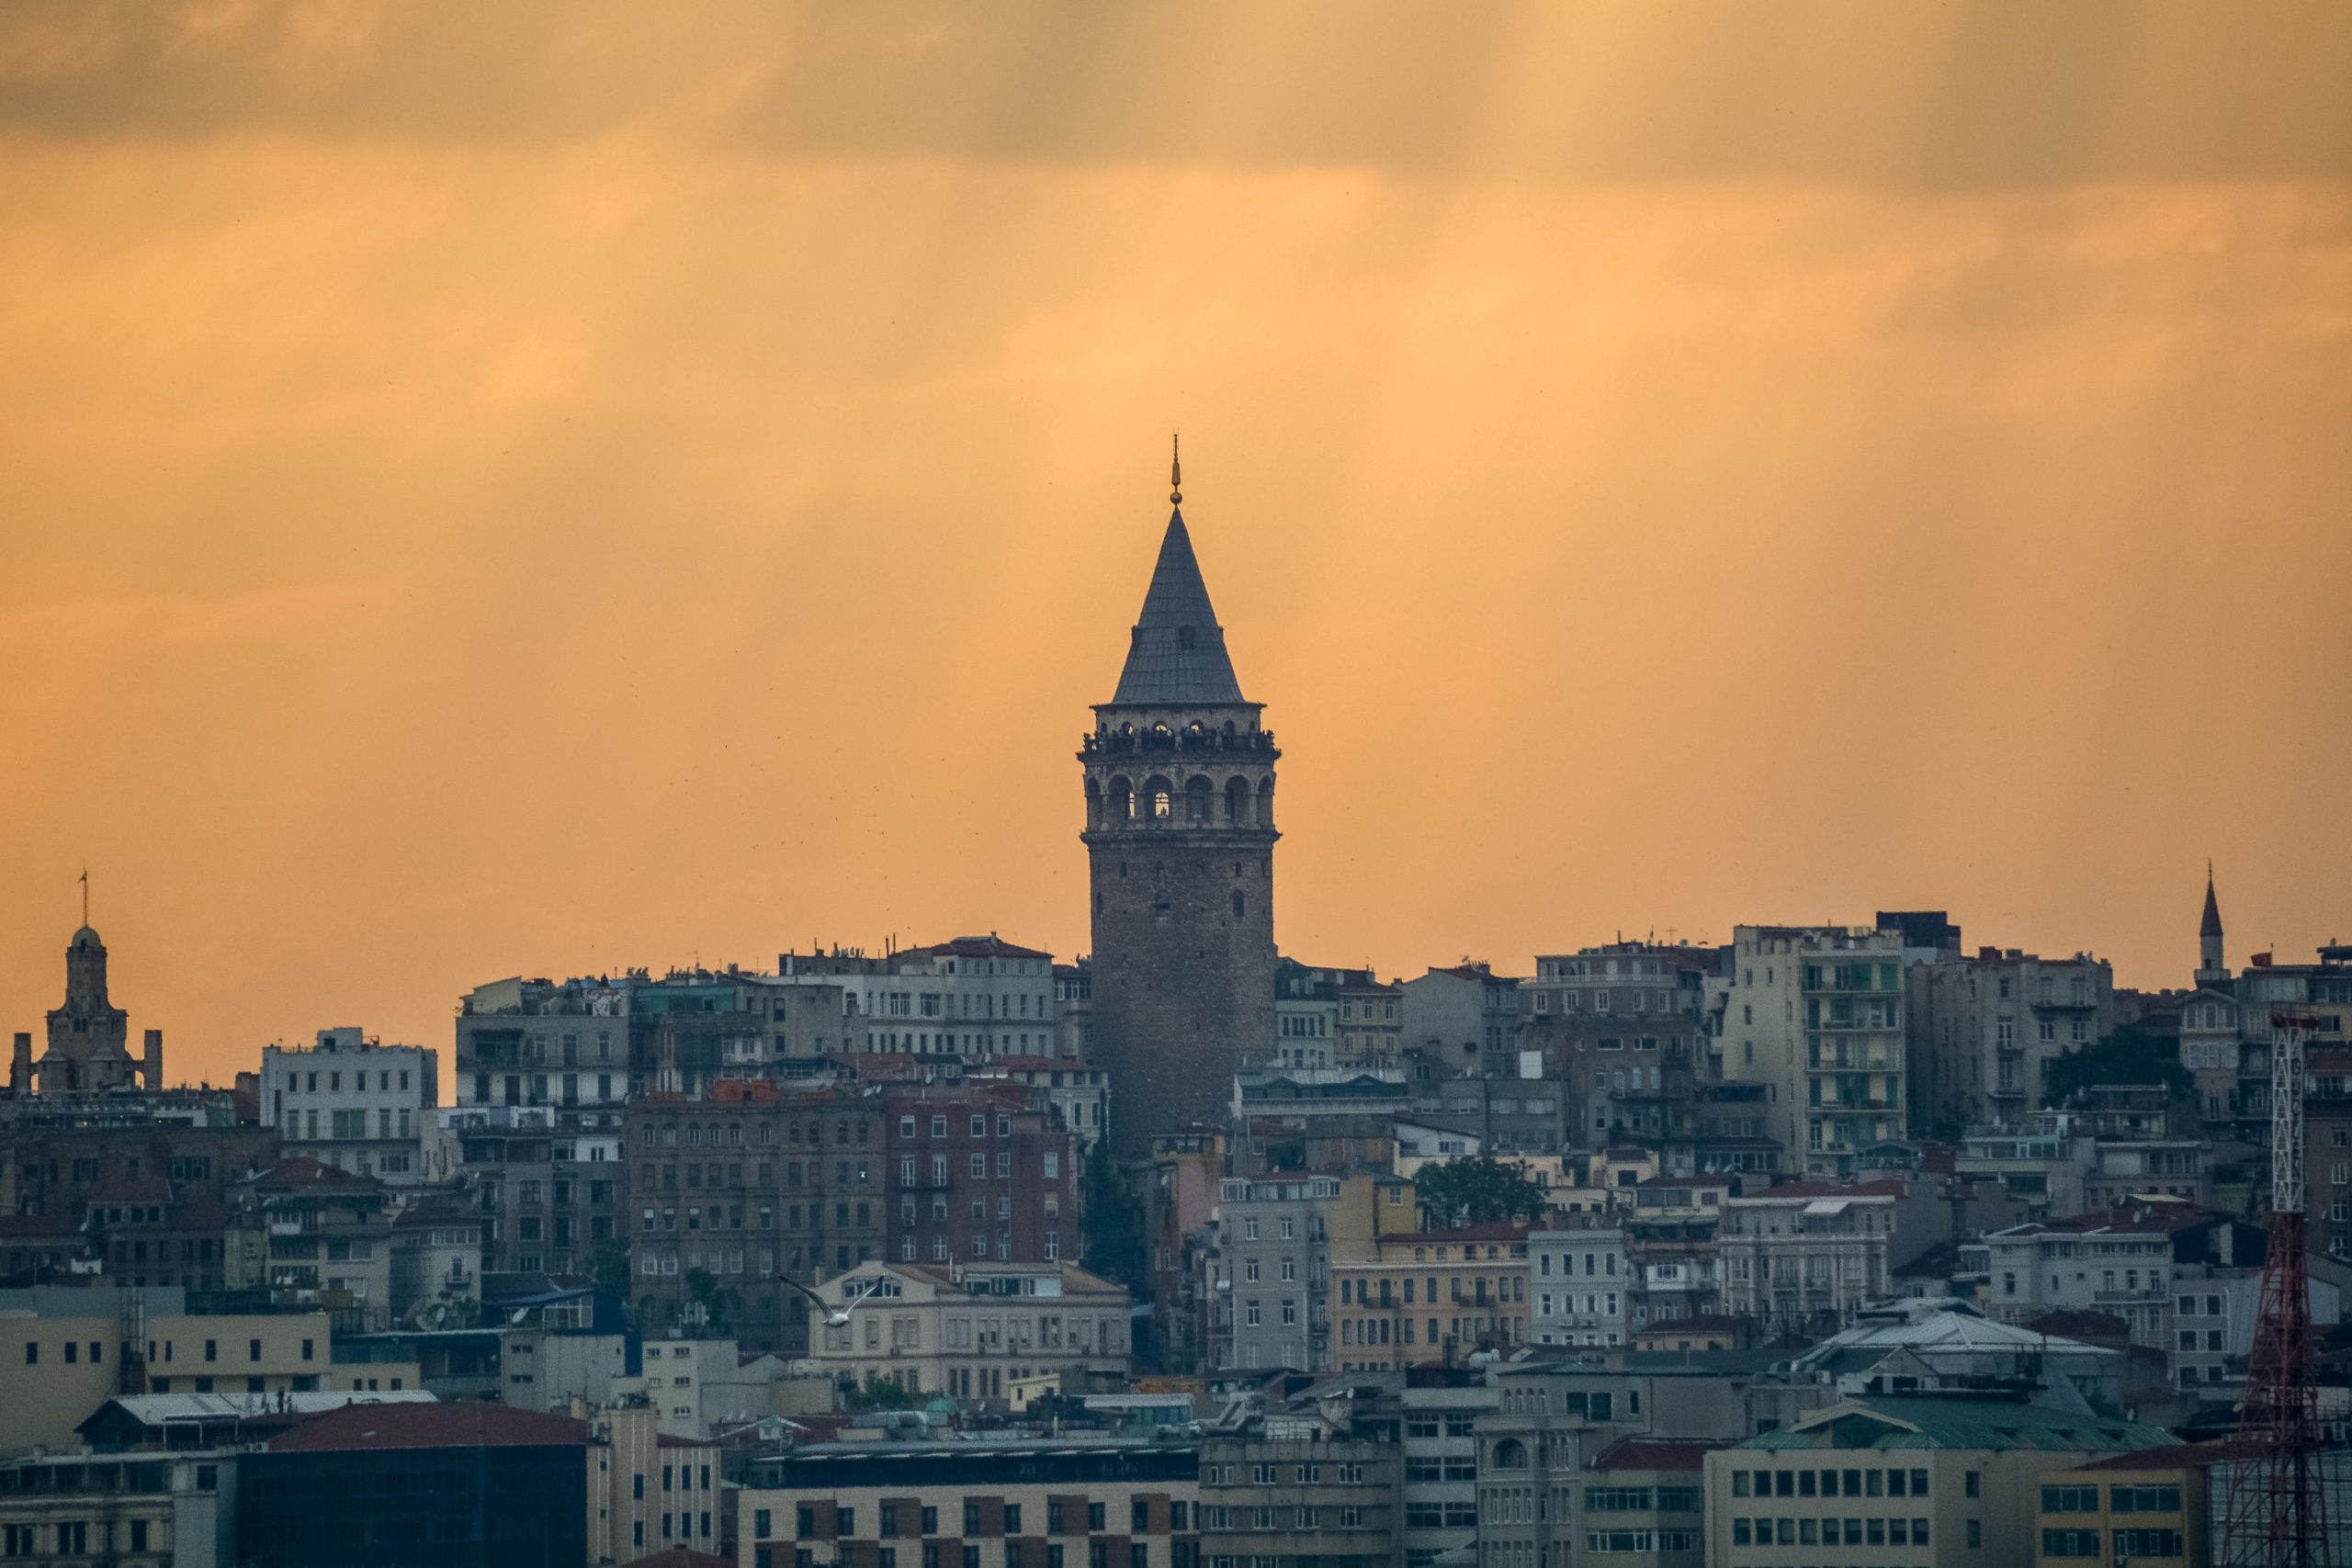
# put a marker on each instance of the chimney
(20, 1065)
(153, 1072)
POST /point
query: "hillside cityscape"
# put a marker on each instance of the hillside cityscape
(1858, 1243)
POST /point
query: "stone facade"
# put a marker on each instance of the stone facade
(1180, 832)
(89, 1037)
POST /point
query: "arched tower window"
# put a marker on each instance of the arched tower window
(1236, 800)
(1200, 799)
(1122, 801)
(1510, 1454)
(1093, 804)
(1266, 801)
(1161, 795)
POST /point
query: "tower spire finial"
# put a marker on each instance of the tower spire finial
(1176, 471)
(85, 895)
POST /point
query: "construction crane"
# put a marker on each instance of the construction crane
(2277, 1506)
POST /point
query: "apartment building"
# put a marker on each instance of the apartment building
(1924, 1481)
(1816, 1013)
(1423, 1298)
(353, 1104)
(1271, 1501)
(976, 1171)
(1078, 1094)
(1984, 1031)
(67, 1351)
(1671, 1261)
(1804, 1256)
(1462, 1017)
(974, 996)
(1643, 1504)
(314, 1232)
(147, 1509)
(1439, 1409)
(732, 1197)
(1372, 1026)
(2117, 1261)
(1267, 1260)
(1079, 1501)
(1579, 1282)
(1623, 1026)
(971, 1330)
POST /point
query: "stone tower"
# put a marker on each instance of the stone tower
(2212, 965)
(89, 1037)
(1180, 832)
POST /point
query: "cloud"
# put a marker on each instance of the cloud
(1963, 97)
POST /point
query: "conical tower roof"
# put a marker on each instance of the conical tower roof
(1177, 656)
(2212, 924)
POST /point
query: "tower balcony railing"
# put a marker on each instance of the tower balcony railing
(1202, 740)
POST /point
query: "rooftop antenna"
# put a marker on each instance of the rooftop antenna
(1176, 471)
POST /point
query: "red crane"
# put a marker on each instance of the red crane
(2277, 1510)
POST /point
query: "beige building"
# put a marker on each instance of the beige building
(1075, 1502)
(648, 1491)
(137, 1510)
(65, 1352)
(2147, 1504)
(970, 1331)
(1927, 1481)
(1422, 1298)
(1300, 1503)
(1816, 1014)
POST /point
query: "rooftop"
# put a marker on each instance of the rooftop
(1656, 1453)
(429, 1425)
(1937, 1422)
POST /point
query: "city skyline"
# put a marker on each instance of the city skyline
(607, 524)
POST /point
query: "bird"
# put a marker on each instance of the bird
(835, 1317)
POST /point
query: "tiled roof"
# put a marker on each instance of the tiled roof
(988, 946)
(1656, 1453)
(2177, 1456)
(1176, 657)
(474, 1424)
(1921, 1422)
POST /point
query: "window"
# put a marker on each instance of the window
(2144, 1499)
(2072, 1499)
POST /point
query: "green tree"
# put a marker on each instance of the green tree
(704, 1291)
(2128, 1055)
(1477, 1189)
(1112, 1225)
(609, 1269)
(878, 1392)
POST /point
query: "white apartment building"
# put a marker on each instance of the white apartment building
(2117, 1261)
(1804, 1256)
(1816, 1013)
(971, 1332)
(353, 1104)
(1579, 1287)
(974, 996)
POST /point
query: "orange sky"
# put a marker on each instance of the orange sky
(541, 489)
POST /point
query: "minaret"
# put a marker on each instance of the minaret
(2213, 968)
(1180, 832)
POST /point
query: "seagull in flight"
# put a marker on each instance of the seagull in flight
(835, 1317)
